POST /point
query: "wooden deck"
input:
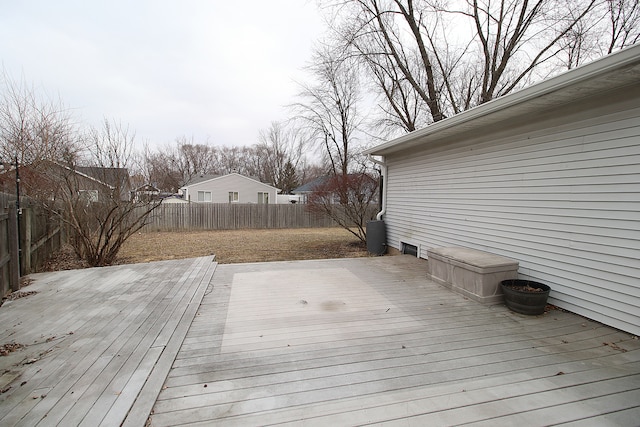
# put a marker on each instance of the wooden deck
(371, 341)
(330, 342)
(99, 342)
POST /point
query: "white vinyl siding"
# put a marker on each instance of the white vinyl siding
(564, 200)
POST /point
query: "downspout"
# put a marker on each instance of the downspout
(383, 172)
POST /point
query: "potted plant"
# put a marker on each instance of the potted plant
(525, 296)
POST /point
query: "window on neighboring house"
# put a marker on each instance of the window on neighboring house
(88, 195)
(263, 198)
(204, 196)
(233, 196)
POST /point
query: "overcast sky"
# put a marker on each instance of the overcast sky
(215, 70)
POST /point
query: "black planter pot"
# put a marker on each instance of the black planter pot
(525, 302)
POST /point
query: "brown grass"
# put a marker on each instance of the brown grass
(239, 246)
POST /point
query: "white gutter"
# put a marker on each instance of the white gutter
(383, 172)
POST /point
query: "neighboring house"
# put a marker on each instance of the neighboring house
(305, 190)
(114, 178)
(548, 176)
(231, 188)
(324, 183)
(46, 177)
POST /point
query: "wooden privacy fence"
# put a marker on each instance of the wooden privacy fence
(9, 265)
(39, 237)
(229, 216)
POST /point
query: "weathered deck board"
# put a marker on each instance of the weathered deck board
(98, 338)
(352, 342)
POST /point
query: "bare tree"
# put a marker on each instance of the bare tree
(309, 171)
(348, 200)
(193, 159)
(506, 29)
(94, 201)
(34, 128)
(160, 169)
(112, 145)
(402, 106)
(278, 155)
(233, 159)
(576, 45)
(388, 37)
(429, 59)
(328, 109)
(623, 23)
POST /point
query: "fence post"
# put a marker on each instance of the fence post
(26, 244)
(14, 251)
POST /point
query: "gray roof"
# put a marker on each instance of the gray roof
(310, 186)
(110, 176)
(201, 178)
(206, 177)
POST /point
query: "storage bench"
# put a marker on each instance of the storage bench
(473, 273)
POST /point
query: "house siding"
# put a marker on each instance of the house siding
(220, 187)
(562, 197)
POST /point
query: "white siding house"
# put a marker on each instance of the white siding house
(548, 176)
(231, 188)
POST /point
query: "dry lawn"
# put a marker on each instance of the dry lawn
(237, 246)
